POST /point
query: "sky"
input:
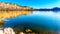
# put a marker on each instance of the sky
(36, 3)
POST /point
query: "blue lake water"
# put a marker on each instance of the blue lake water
(36, 21)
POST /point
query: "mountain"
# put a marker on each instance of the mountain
(52, 9)
(10, 6)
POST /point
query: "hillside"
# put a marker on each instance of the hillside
(13, 7)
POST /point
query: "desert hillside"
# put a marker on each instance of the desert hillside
(14, 7)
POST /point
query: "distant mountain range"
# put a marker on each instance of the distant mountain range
(52, 9)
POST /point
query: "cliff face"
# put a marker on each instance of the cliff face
(8, 6)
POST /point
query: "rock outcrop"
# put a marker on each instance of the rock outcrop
(7, 31)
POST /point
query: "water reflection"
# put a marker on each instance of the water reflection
(5, 15)
(36, 21)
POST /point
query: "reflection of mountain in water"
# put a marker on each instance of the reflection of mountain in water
(37, 21)
(12, 14)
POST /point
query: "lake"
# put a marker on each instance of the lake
(36, 21)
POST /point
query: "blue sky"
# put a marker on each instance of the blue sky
(36, 3)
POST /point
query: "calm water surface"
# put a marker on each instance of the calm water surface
(36, 21)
